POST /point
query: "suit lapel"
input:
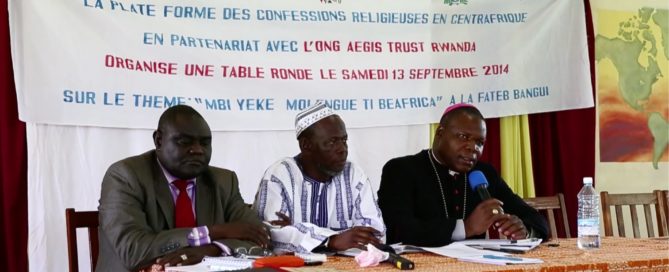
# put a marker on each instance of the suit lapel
(204, 201)
(163, 194)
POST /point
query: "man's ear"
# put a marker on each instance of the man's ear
(157, 139)
(305, 144)
(439, 132)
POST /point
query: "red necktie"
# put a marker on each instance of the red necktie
(183, 209)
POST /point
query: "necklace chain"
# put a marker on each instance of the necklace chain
(441, 189)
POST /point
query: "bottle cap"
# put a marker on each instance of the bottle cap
(587, 180)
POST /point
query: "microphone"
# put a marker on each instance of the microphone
(395, 259)
(400, 262)
(479, 183)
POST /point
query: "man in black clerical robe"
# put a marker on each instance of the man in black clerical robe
(426, 199)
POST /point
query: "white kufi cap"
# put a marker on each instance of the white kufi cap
(310, 116)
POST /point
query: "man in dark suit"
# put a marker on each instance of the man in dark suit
(425, 198)
(169, 207)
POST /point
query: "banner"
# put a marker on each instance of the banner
(252, 65)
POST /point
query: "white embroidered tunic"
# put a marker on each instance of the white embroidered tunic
(318, 210)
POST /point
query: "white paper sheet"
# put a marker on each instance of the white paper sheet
(466, 253)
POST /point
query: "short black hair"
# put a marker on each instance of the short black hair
(472, 111)
(170, 115)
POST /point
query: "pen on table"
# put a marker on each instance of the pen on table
(508, 250)
(500, 249)
(515, 245)
(492, 245)
(495, 257)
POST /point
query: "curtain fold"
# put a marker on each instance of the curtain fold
(13, 164)
(563, 144)
(516, 155)
(563, 153)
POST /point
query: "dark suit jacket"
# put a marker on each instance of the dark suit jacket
(137, 212)
(413, 209)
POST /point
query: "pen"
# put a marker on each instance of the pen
(501, 249)
(495, 257)
(504, 249)
(493, 246)
(509, 250)
(515, 245)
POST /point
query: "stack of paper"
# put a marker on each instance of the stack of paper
(466, 253)
(214, 264)
(509, 246)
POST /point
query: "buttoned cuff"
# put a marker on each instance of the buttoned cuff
(199, 236)
(459, 231)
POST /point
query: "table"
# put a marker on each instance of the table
(616, 254)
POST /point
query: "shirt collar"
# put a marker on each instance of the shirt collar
(170, 178)
(453, 173)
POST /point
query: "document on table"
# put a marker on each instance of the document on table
(504, 245)
(214, 264)
(465, 253)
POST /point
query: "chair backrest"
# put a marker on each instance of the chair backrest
(665, 198)
(632, 200)
(74, 220)
(548, 204)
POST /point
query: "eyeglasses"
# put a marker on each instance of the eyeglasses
(253, 252)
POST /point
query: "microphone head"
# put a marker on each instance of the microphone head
(476, 179)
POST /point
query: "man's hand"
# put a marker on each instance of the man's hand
(357, 237)
(485, 214)
(188, 255)
(283, 221)
(511, 226)
(255, 233)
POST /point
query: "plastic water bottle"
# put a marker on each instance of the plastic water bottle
(588, 216)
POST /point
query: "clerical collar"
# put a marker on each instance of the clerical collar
(450, 172)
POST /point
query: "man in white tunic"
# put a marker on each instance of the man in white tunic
(318, 199)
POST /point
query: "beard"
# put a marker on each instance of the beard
(329, 172)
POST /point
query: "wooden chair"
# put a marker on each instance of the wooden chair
(74, 220)
(632, 200)
(548, 204)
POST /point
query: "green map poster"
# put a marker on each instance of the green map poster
(632, 62)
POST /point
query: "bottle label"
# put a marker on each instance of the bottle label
(588, 226)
